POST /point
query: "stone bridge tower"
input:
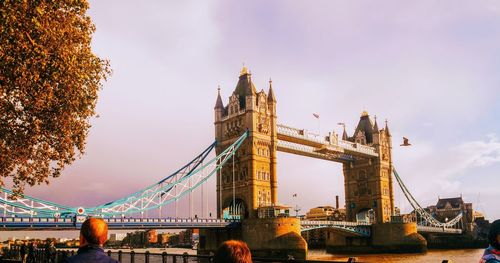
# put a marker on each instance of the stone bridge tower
(368, 182)
(253, 182)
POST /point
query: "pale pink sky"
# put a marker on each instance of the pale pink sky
(430, 67)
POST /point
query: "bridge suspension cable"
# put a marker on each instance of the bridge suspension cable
(421, 211)
(167, 190)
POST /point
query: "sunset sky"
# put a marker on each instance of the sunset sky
(432, 68)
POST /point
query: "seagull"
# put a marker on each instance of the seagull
(405, 142)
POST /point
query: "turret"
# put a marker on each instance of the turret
(364, 131)
(219, 106)
(219, 111)
(345, 137)
(387, 132)
(376, 132)
(271, 99)
(245, 90)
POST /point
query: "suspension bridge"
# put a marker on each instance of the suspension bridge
(247, 138)
(29, 213)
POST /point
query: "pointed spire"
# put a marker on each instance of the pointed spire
(387, 128)
(270, 94)
(245, 86)
(344, 135)
(375, 126)
(218, 103)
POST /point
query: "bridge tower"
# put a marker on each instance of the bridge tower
(253, 182)
(368, 182)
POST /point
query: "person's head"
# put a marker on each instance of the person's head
(94, 231)
(233, 251)
(494, 235)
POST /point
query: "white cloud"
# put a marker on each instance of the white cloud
(479, 153)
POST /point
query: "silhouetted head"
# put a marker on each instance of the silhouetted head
(494, 235)
(94, 231)
(233, 251)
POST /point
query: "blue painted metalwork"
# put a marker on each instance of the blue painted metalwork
(167, 190)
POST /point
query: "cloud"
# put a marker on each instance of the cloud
(479, 153)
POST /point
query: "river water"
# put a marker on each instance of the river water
(456, 256)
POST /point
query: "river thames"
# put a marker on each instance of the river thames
(456, 256)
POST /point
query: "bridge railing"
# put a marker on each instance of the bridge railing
(41, 255)
(334, 223)
(300, 134)
(168, 220)
(35, 219)
(309, 150)
(117, 220)
(357, 147)
(432, 229)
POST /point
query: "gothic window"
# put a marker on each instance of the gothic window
(361, 175)
(363, 188)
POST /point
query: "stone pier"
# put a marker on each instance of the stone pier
(385, 238)
(266, 237)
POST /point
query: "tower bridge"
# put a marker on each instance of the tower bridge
(247, 139)
(365, 156)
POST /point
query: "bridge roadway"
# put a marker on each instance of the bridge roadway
(46, 223)
(302, 142)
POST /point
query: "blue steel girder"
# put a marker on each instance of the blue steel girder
(167, 190)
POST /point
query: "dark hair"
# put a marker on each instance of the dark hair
(494, 232)
(94, 231)
(233, 251)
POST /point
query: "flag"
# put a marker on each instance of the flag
(294, 195)
(341, 123)
(316, 115)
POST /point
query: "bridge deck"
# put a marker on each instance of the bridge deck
(42, 223)
(301, 142)
(431, 229)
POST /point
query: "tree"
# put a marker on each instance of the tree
(49, 83)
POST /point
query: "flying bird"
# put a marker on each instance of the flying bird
(405, 142)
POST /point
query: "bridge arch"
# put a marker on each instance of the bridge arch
(365, 215)
(235, 210)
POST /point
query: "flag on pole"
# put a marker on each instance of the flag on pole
(316, 115)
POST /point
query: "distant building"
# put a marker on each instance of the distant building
(164, 238)
(326, 213)
(141, 238)
(152, 236)
(117, 237)
(189, 237)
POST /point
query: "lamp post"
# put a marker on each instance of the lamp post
(297, 209)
